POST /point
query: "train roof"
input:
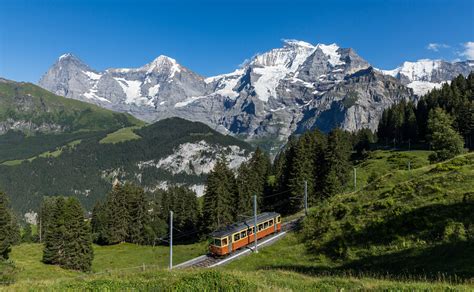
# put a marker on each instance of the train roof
(249, 222)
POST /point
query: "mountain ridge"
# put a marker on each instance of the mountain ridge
(267, 98)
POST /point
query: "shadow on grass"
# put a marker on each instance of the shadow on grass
(450, 262)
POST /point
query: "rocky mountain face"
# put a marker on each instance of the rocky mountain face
(294, 88)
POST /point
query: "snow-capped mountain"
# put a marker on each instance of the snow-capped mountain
(293, 88)
(424, 75)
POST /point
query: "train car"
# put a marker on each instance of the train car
(238, 235)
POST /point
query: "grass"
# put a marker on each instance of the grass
(121, 135)
(417, 223)
(380, 163)
(47, 154)
(27, 259)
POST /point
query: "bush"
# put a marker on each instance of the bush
(454, 231)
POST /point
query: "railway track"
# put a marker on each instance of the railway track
(208, 261)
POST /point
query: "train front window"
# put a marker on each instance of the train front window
(217, 242)
(224, 242)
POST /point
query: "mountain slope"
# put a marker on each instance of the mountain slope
(417, 222)
(171, 151)
(274, 94)
(31, 109)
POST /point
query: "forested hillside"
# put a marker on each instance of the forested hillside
(407, 122)
(169, 151)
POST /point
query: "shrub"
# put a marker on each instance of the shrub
(454, 231)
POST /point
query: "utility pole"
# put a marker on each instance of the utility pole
(171, 240)
(40, 230)
(255, 222)
(409, 165)
(306, 198)
(409, 144)
(355, 179)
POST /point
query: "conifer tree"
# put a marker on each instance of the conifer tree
(218, 209)
(445, 141)
(337, 166)
(78, 248)
(252, 178)
(68, 241)
(5, 227)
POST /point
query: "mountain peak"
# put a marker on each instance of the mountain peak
(161, 64)
(297, 43)
(67, 56)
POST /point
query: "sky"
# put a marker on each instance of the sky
(215, 37)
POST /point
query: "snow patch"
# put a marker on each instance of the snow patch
(92, 75)
(422, 87)
(92, 94)
(189, 100)
(331, 52)
(131, 88)
(152, 91)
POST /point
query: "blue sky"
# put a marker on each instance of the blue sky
(213, 37)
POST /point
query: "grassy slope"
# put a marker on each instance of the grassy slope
(265, 271)
(50, 154)
(417, 223)
(26, 102)
(121, 257)
(121, 135)
(289, 265)
(43, 105)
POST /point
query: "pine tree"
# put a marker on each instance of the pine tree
(78, 239)
(5, 227)
(54, 241)
(125, 216)
(218, 199)
(445, 141)
(252, 180)
(27, 235)
(337, 166)
(68, 240)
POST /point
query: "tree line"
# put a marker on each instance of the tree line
(409, 122)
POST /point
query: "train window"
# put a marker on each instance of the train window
(260, 227)
(265, 225)
(224, 242)
(278, 219)
(217, 242)
(243, 234)
(270, 222)
(250, 231)
(236, 236)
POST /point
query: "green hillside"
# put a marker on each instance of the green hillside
(88, 169)
(34, 120)
(27, 102)
(418, 222)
